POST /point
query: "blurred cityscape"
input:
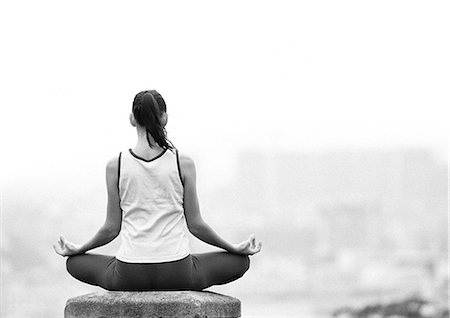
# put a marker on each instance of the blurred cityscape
(338, 228)
(361, 225)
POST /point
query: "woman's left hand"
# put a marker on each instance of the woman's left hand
(66, 248)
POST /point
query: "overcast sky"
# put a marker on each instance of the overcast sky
(310, 75)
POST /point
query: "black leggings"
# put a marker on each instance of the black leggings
(194, 272)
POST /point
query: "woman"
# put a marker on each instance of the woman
(152, 200)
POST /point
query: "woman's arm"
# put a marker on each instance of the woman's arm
(111, 228)
(197, 226)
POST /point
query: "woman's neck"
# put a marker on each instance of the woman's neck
(142, 145)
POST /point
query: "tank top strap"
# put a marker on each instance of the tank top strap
(177, 155)
(118, 168)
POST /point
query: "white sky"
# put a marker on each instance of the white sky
(305, 75)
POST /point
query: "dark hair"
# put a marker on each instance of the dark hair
(148, 106)
(159, 100)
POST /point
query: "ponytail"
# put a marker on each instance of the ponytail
(147, 112)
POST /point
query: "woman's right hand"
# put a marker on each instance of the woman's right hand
(247, 247)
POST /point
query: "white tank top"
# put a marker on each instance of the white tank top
(154, 227)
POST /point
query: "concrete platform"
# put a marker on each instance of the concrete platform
(153, 304)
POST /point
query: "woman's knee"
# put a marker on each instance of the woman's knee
(72, 264)
(69, 264)
(244, 264)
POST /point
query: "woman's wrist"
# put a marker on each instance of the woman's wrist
(81, 249)
(232, 248)
(206, 234)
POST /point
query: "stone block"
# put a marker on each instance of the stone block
(153, 304)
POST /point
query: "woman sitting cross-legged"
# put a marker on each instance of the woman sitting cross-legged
(152, 200)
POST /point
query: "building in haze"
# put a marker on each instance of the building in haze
(377, 199)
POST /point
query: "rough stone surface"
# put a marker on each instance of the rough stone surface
(153, 304)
